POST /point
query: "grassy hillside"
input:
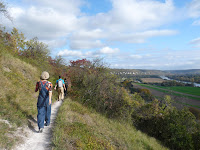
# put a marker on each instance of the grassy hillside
(18, 100)
(78, 127)
(17, 96)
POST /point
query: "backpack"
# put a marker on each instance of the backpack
(60, 83)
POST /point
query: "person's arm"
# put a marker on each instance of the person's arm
(64, 85)
(37, 87)
(56, 85)
(50, 95)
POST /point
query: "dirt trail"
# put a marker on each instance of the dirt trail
(40, 141)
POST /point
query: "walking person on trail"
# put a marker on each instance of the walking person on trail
(61, 86)
(44, 101)
(66, 86)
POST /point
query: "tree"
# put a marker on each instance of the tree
(37, 49)
(4, 11)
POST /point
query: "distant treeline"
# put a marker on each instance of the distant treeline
(138, 77)
(187, 78)
(172, 83)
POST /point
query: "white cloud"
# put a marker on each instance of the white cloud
(62, 6)
(105, 52)
(57, 43)
(47, 19)
(195, 42)
(67, 53)
(136, 56)
(194, 9)
(62, 23)
(88, 34)
(128, 21)
(171, 59)
(108, 50)
(140, 37)
(196, 23)
(135, 15)
(16, 12)
(85, 44)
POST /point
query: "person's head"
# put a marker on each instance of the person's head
(44, 75)
(59, 77)
(65, 79)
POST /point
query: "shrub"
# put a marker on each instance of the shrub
(97, 88)
(177, 129)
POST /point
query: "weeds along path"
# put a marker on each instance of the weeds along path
(40, 141)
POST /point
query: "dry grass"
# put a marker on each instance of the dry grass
(17, 96)
(18, 100)
(78, 127)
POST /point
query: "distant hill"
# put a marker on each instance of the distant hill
(153, 72)
(137, 72)
(190, 71)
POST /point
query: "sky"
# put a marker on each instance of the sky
(129, 34)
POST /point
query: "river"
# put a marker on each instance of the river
(166, 78)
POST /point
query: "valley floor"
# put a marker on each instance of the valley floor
(181, 98)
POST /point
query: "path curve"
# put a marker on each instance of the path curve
(40, 141)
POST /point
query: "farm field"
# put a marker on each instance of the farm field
(182, 92)
(152, 80)
(185, 89)
(178, 97)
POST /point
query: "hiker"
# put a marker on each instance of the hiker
(66, 86)
(61, 86)
(44, 101)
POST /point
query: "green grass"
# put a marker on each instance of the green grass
(6, 133)
(164, 90)
(184, 89)
(78, 127)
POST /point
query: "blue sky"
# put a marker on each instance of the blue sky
(134, 34)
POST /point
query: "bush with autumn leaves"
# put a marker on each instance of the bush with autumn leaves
(94, 86)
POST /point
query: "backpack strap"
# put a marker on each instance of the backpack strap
(44, 84)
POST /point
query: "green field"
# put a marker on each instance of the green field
(186, 90)
(183, 89)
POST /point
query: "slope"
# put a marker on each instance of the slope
(17, 97)
(78, 127)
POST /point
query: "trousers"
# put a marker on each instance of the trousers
(44, 115)
(60, 93)
(43, 107)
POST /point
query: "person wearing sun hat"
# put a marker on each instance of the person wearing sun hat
(44, 100)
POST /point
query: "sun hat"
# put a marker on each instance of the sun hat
(44, 75)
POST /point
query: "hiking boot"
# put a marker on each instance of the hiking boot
(41, 130)
(46, 124)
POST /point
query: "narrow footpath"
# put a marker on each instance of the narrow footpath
(40, 141)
